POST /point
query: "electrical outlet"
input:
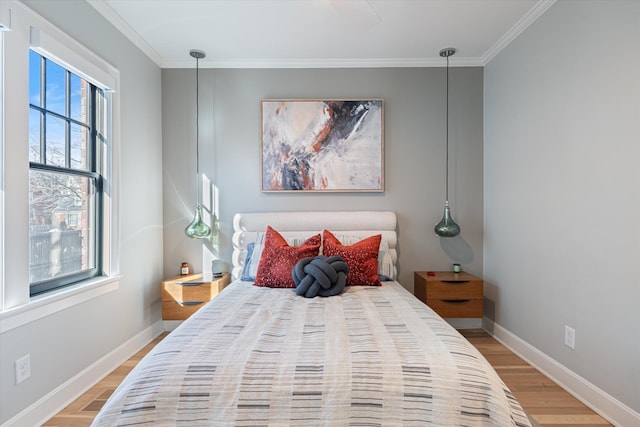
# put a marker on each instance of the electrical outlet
(569, 337)
(23, 368)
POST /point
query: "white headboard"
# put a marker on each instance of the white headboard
(246, 227)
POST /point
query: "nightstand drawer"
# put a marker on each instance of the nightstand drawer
(450, 294)
(174, 310)
(454, 289)
(184, 295)
(174, 291)
(456, 308)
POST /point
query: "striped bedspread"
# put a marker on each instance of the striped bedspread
(373, 356)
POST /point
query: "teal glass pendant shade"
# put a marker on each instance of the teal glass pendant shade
(447, 227)
(198, 229)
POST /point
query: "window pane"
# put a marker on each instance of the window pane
(34, 78)
(55, 141)
(62, 225)
(34, 136)
(79, 138)
(79, 99)
(56, 94)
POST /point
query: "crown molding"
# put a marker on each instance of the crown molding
(327, 63)
(117, 21)
(534, 13)
(110, 15)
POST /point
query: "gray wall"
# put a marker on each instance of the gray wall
(561, 176)
(414, 102)
(560, 182)
(65, 343)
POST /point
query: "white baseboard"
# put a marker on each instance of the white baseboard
(614, 411)
(42, 410)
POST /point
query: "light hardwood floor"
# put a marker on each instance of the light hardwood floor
(83, 410)
(545, 401)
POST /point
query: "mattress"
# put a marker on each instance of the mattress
(372, 356)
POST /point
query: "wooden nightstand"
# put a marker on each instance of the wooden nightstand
(184, 295)
(450, 294)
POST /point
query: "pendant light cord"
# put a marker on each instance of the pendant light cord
(447, 134)
(198, 131)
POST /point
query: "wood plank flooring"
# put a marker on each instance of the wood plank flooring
(82, 411)
(545, 401)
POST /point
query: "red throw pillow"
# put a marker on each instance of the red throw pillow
(278, 259)
(361, 257)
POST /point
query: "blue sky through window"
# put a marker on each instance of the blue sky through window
(34, 78)
(55, 95)
(73, 106)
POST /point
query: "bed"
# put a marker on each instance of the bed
(257, 355)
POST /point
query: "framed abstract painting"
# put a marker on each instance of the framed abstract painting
(322, 145)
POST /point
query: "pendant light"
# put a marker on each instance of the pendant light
(447, 226)
(198, 229)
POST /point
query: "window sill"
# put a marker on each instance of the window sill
(44, 305)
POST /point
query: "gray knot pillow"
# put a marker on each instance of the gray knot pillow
(320, 275)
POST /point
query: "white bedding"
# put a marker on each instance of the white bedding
(261, 356)
(372, 356)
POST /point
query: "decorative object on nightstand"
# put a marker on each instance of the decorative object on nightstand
(447, 227)
(451, 295)
(184, 295)
(184, 269)
(197, 229)
(216, 268)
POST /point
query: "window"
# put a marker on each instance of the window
(67, 136)
(59, 152)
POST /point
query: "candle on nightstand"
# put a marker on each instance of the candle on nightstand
(456, 268)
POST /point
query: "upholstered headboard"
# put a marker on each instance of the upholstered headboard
(247, 226)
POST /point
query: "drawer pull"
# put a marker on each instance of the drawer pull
(188, 303)
(456, 301)
(455, 282)
(191, 283)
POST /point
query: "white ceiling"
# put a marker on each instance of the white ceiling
(320, 33)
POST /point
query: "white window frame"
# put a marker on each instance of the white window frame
(23, 29)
